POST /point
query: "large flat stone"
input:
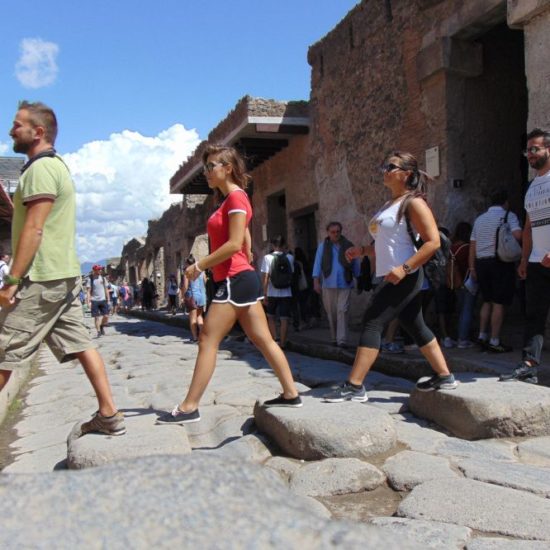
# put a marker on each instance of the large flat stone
(494, 543)
(143, 438)
(516, 476)
(173, 502)
(324, 430)
(480, 506)
(408, 469)
(535, 451)
(335, 476)
(432, 534)
(482, 408)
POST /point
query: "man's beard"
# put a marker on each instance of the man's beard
(539, 162)
(21, 147)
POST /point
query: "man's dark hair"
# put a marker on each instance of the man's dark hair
(278, 241)
(539, 132)
(42, 115)
(498, 197)
(330, 224)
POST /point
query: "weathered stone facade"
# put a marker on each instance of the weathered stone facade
(170, 239)
(457, 81)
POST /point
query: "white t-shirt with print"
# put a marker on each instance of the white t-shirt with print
(537, 205)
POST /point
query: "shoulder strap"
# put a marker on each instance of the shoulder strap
(410, 231)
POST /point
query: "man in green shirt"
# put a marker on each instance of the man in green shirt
(40, 298)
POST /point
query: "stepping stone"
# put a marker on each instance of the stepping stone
(480, 506)
(482, 408)
(143, 438)
(324, 430)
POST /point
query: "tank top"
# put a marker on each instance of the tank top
(393, 244)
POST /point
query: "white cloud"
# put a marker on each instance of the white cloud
(122, 183)
(37, 65)
(4, 148)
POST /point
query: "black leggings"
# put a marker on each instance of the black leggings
(537, 303)
(389, 301)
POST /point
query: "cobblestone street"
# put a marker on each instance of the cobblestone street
(360, 462)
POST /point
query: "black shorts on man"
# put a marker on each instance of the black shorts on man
(99, 308)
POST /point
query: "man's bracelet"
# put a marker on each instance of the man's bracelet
(9, 280)
(198, 268)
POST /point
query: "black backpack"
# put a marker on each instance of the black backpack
(280, 273)
(364, 281)
(435, 268)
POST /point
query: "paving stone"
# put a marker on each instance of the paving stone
(416, 433)
(389, 401)
(431, 534)
(493, 543)
(516, 476)
(335, 476)
(485, 408)
(535, 451)
(325, 430)
(45, 459)
(408, 469)
(480, 506)
(454, 447)
(249, 448)
(143, 438)
(245, 516)
(285, 466)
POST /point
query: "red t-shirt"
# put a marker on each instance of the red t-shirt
(218, 232)
(461, 251)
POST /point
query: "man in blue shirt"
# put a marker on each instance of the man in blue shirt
(333, 279)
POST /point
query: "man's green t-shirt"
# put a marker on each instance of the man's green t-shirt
(56, 258)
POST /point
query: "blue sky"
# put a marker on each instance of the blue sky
(140, 79)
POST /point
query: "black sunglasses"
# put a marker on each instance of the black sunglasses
(390, 167)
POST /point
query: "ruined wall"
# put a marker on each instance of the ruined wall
(402, 75)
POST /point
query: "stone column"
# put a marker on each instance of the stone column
(533, 16)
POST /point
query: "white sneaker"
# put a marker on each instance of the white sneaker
(448, 342)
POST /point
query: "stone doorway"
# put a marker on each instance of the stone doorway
(305, 235)
(276, 215)
(492, 109)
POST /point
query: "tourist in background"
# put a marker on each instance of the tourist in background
(193, 297)
(497, 279)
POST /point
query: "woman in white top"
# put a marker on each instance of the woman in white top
(400, 264)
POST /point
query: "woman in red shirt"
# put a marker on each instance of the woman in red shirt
(238, 290)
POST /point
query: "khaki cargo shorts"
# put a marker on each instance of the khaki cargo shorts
(49, 311)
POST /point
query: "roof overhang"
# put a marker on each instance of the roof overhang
(258, 138)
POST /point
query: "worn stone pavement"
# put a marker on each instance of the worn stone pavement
(374, 463)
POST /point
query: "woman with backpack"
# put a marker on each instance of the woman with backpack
(238, 290)
(399, 262)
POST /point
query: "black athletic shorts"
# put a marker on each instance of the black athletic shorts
(279, 307)
(244, 289)
(497, 280)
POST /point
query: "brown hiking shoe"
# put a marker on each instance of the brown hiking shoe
(109, 425)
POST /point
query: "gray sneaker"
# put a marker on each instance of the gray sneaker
(522, 373)
(437, 382)
(108, 425)
(346, 392)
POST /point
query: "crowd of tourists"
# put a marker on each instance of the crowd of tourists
(403, 259)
